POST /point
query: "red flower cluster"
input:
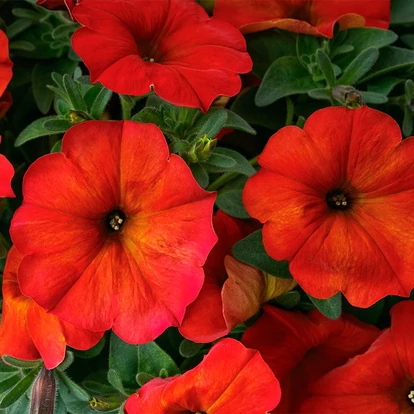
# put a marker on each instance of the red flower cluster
(334, 199)
(379, 381)
(300, 349)
(218, 385)
(169, 46)
(118, 238)
(311, 17)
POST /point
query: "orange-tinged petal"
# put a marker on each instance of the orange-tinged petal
(243, 292)
(343, 253)
(203, 320)
(312, 17)
(218, 385)
(291, 211)
(28, 331)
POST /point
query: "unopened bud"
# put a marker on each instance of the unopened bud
(347, 96)
(43, 396)
(200, 150)
(76, 117)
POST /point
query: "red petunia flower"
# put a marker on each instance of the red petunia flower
(379, 381)
(28, 332)
(300, 349)
(232, 291)
(311, 17)
(169, 46)
(336, 199)
(114, 231)
(6, 169)
(5, 63)
(218, 385)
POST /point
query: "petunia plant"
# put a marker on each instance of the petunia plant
(206, 206)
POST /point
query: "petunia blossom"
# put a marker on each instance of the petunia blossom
(114, 231)
(28, 332)
(311, 17)
(379, 381)
(336, 198)
(218, 385)
(6, 65)
(232, 291)
(300, 348)
(169, 46)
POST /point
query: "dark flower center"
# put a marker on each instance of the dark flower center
(115, 220)
(411, 397)
(338, 200)
(302, 12)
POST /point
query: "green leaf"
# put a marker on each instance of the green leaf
(407, 126)
(9, 383)
(57, 147)
(74, 94)
(72, 387)
(250, 250)
(288, 300)
(306, 46)
(320, 93)
(285, 77)
(19, 389)
(242, 165)
(22, 45)
(148, 115)
(143, 378)
(115, 380)
(151, 359)
(236, 122)
(57, 125)
(230, 202)
(267, 46)
(402, 12)
(100, 103)
(326, 67)
(17, 27)
(123, 358)
(200, 174)
(67, 362)
(220, 160)
(37, 129)
(409, 91)
(331, 307)
(211, 124)
(391, 58)
(408, 40)
(359, 67)
(188, 348)
(384, 85)
(373, 98)
(19, 363)
(360, 39)
(245, 106)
